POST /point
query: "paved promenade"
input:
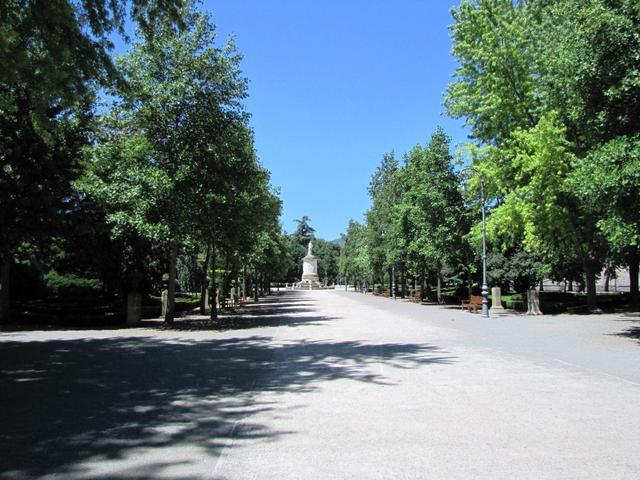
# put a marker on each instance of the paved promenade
(326, 385)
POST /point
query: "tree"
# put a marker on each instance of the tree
(495, 88)
(354, 263)
(535, 68)
(607, 181)
(53, 54)
(298, 242)
(327, 253)
(435, 206)
(384, 192)
(180, 131)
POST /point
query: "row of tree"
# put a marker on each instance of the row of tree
(164, 176)
(416, 225)
(551, 93)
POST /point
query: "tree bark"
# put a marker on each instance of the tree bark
(590, 276)
(607, 278)
(171, 297)
(634, 267)
(204, 282)
(5, 271)
(255, 290)
(213, 293)
(244, 283)
(439, 286)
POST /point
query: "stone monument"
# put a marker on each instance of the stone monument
(496, 300)
(533, 302)
(310, 277)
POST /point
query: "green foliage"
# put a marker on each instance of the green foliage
(383, 227)
(607, 180)
(533, 207)
(54, 55)
(328, 254)
(514, 270)
(495, 87)
(71, 285)
(545, 87)
(354, 263)
(433, 202)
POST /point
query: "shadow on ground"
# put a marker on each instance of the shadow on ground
(142, 407)
(289, 309)
(634, 330)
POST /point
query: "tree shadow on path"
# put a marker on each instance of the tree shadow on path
(142, 407)
(634, 330)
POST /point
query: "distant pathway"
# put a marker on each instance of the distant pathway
(326, 385)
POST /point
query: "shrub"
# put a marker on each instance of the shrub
(69, 285)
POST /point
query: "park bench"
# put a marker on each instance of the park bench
(473, 302)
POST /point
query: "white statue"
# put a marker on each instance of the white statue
(310, 266)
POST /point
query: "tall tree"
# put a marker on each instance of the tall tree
(184, 129)
(53, 55)
(354, 262)
(533, 67)
(436, 211)
(298, 242)
(385, 193)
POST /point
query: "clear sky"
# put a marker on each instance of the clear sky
(334, 84)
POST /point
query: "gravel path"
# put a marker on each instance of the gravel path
(326, 385)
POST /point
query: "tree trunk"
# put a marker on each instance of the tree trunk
(204, 282)
(255, 290)
(226, 278)
(5, 271)
(607, 277)
(403, 281)
(634, 266)
(171, 298)
(244, 283)
(439, 286)
(213, 291)
(570, 287)
(590, 274)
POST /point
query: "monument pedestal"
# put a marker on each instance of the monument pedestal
(310, 279)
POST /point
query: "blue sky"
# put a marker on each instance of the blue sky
(334, 84)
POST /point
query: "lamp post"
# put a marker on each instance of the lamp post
(485, 287)
(393, 281)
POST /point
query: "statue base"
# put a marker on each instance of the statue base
(309, 283)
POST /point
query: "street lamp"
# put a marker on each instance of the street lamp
(393, 280)
(485, 287)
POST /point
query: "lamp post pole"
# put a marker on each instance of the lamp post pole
(485, 287)
(393, 281)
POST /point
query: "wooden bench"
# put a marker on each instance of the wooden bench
(474, 302)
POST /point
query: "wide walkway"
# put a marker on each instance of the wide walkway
(326, 385)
